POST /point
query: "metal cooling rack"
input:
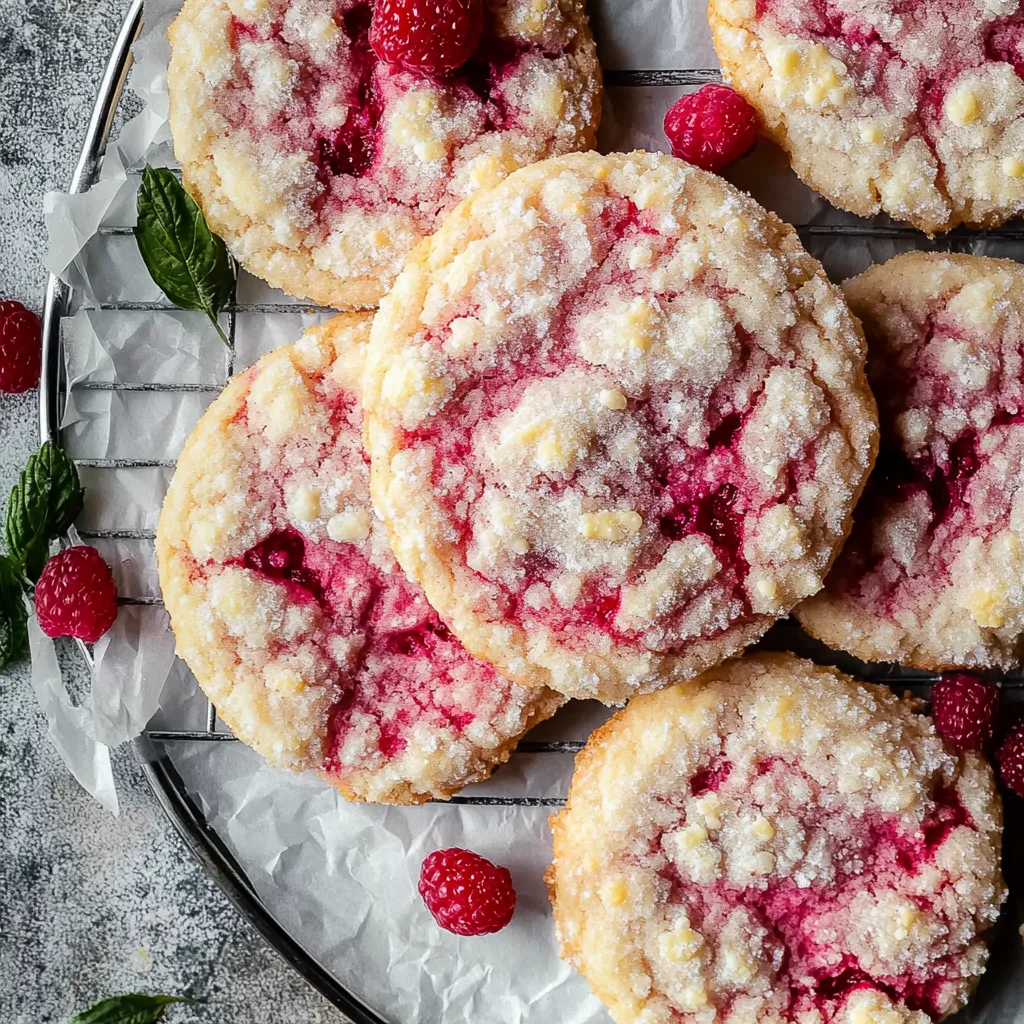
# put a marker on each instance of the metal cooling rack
(151, 747)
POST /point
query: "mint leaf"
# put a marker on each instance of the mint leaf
(13, 614)
(183, 256)
(44, 503)
(135, 1008)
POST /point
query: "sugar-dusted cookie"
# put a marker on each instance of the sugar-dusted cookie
(933, 575)
(911, 109)
(321, 165)
(289, 608)
(618, 421)
(776, 842)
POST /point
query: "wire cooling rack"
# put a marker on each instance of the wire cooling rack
(152, 746)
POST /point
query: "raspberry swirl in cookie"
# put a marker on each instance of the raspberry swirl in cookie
(904, 107)
(321, 166)
(618, 421)
(289, 608)
(774, 842)
(933, 575)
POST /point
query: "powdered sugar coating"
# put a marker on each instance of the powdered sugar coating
(933, 575)
(288, 605)
(618, 421)
(775, 842)
(321, 167)
(889, 106)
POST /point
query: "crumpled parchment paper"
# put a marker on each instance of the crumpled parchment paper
(340, 877)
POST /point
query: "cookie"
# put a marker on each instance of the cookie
(289, 608)
(913, 110)
(618, 421)
(321, 166)
(776, 842)
(933, 575)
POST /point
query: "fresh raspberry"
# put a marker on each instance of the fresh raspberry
(1011, 759)
(712, 128)
(433, 37)
(964, 710)
(20, 348)
(467, 894)
(76, 596)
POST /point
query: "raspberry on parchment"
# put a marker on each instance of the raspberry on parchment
(466, 893)
(76, 595)
(965, 710)
(712, 128)
(1011, 759)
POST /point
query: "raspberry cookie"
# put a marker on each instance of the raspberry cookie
(618, 421)
(933, 575)
(321, 165)
(911, 109)
(289, 608)
(776, 842)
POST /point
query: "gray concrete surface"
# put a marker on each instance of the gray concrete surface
(91, 906)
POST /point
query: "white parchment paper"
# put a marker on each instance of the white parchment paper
(342, 877)
(69, 725)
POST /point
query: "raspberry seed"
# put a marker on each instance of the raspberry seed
(433, 37)
(712, 128)
(466, 893)
(964, 710)
(76, 596)
(20, 348)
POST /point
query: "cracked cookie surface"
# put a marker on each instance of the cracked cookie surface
(911, 109)
(618, 421)
(288, 605)
(933, 573)
(776, 842)
(321, 166)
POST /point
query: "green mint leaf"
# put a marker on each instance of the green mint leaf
(13, 614)
(135, 1008)
(44, 503)
(184, 257)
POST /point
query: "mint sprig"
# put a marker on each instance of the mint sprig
(13, 614)
(44, 502)
(188, 262)
(134, 1008)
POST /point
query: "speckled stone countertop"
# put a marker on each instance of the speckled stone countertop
(91, 905)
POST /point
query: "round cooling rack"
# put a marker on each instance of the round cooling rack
(164, 780)
(825, 238)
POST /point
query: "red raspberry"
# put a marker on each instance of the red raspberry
(20, 348)
(1011, 759)
(964, 710)
(430, 36)
(76, 596)
(467, 894)
(712, 128)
